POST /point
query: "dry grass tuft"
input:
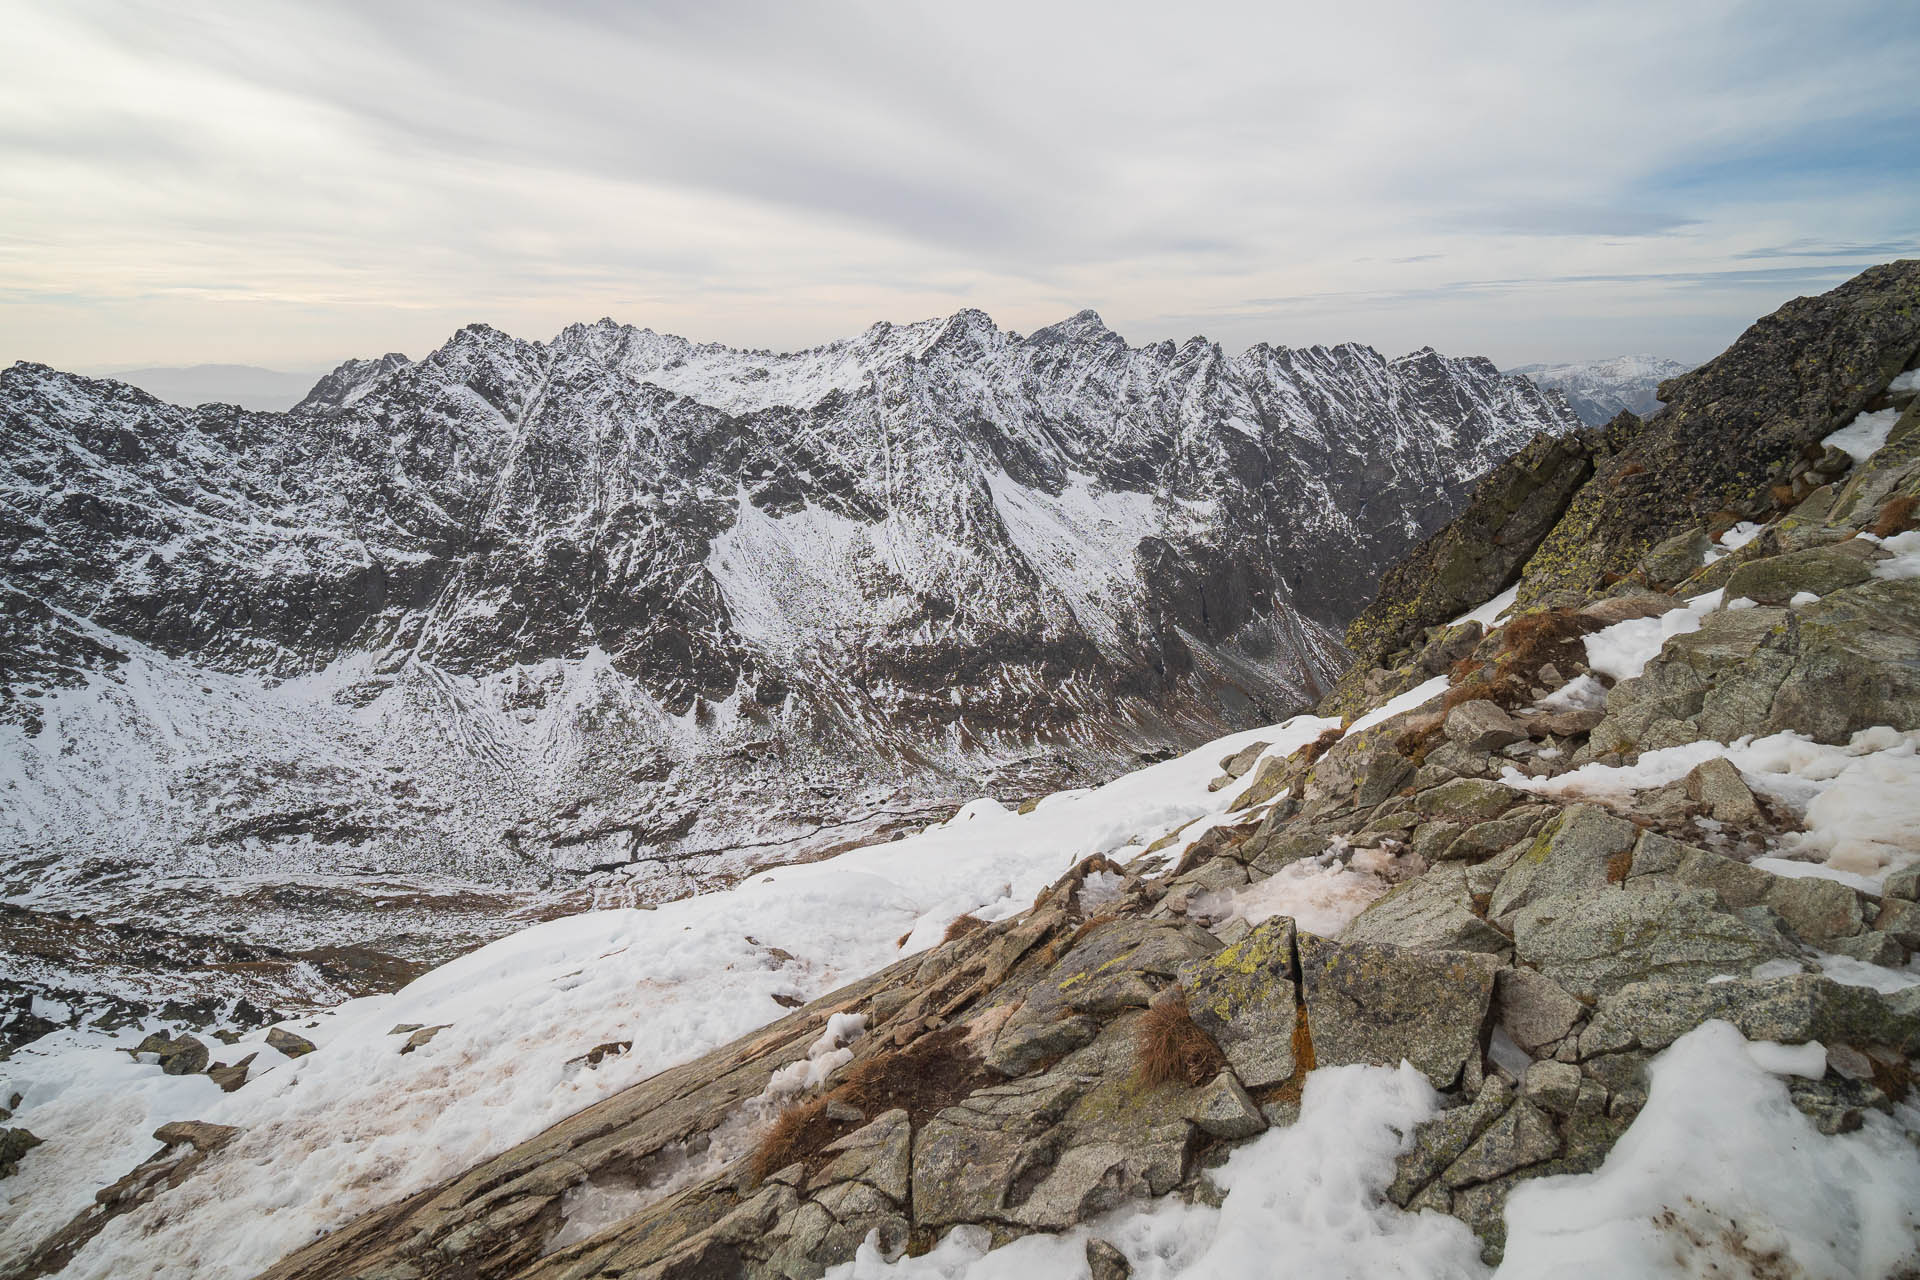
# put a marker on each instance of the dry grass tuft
(1896, 516)
(962, 926)
(1543, 636)
(926, 1076)
(1618, 866)
(798, 1131)
(1172, 1046)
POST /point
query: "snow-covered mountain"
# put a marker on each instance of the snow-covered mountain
(1600, 389)
(522, 611)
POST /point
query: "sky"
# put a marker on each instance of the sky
(289, 185)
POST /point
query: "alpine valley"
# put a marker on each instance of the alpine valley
(296, 704)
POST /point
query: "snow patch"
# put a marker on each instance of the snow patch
(1865, 436)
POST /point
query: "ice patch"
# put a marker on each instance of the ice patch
(1624, 649)
(1718, 1169)
(1906, 556)
(1582, 693)
(1860, 803)
(1324, 893)
(1489, 613)
(1865, 435)
(1396, 706)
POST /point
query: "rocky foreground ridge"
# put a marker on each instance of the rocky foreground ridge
(1570, 897)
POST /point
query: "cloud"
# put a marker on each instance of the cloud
(282, 183)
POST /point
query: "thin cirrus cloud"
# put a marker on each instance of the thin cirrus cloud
(289, 184)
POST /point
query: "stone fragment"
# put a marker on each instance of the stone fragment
(1431, 912)
(1903, 883)
(1676, 559)
(1237, 764)
(232, 1077)
(879, 1155)
(1534, 1009)
(1791, 1010)
(1374, 1003)
(1579, 850)
(1027, 1042)
(1575, 722)
(1815, 908)
(1554, 1087)
(14, 1145)
(1596, 942)
(199, 1134)
(1469, 800)
(292, 1045)
(1117, 965)
(1223, 1109)
(1439, 1141)
(1484, 839)
(1104, 1262)
(1777, 579)
(1718, 785)
(186, 1056)
(1481, 726)
(1654, 853)
(1899, 919)
(1735, 883)
(1873, 947)
(1432, 839)
(1268, 781)
(1448, 647)
(1245, 997)
(422, 1037)
(1522, 1137)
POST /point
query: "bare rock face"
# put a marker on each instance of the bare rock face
(520, 612)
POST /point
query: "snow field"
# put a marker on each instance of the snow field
(356, 1124)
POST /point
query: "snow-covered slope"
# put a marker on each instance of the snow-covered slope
(1600, 389)
(522, 611)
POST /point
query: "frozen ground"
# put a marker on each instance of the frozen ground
(356, 1124)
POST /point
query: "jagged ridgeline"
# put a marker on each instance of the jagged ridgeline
(524, 606)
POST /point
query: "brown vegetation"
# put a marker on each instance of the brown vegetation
(1896, 516)
(1171, 1046)
(962, 926)
(926, 1076)
(1544, 636)
(1618, 866)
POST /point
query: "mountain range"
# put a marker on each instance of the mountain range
(1599, 389)
(624, 611)
(246, 385)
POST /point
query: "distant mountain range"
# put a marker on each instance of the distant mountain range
(1599, 389)
(246, 385)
